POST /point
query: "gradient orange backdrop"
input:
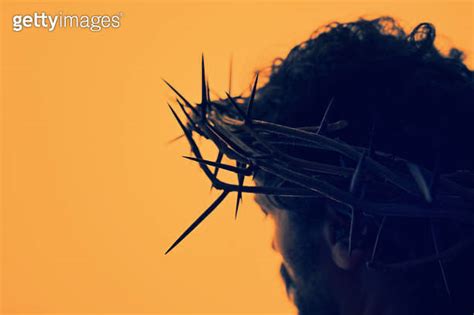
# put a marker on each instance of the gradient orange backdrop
(92, 195)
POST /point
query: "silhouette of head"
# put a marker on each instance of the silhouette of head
(360, 147)
(398, 94)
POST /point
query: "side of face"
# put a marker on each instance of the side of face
(319, 274)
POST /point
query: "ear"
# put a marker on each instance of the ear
(336, 234)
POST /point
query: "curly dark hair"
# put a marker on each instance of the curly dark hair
(419, 101)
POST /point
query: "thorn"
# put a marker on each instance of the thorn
(199, 220)
(236, 106)
(254, 174)
(420, 181)
(239, 197)
(230, 75)
(351, 231)
(443, 272)
(220, 155)
(175, 139)
(195, 149)
(194, 125)
(377, 238)
(208, 90)
(186, 113)
(248, 117)
(323, 124)
(203, 89)
(357, 173)
(182, 97)
(240, 179)
(238, 170)
(183, 127)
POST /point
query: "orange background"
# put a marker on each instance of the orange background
(92, 195)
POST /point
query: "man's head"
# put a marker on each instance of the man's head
(397, 91)
(360, 147)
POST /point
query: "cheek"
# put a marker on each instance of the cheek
(284, 237)
(297, 241)
(284, 243)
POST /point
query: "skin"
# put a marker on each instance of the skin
(322, 278)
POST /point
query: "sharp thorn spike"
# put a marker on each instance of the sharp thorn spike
(220, 155)
(201, 218)
(195, 127)
(377, 239)
(230, 74)
(175, 139)
(195, 150)
(181, 96)
(204, 90)
(323, 124)
(237, 204)
(357, 173)
(236, 106)
(351, 231)
(203, 82)
(186, 113)
(248, 117)
(237, 170)
(254, 174)
(187, 133)
(179, 120)
(240, 179)
(441, 267)
(420, 181)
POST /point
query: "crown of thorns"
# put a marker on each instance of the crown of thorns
(251, 144)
